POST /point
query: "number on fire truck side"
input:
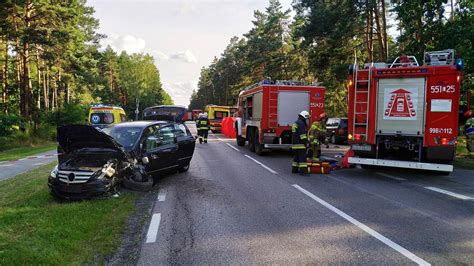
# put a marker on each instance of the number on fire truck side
(317, 105)
(441, 89)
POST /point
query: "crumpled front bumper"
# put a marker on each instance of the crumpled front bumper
(90, 189)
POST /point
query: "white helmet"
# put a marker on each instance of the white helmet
(304, 114)
(200, 115)
(205, 115)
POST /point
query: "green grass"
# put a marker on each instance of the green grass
(36, 229)
(17, 153)
(462, 159)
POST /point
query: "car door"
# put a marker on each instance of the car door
(161, 148)
(186, 144)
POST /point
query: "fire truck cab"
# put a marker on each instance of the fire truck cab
(267, 110)
(403, 114)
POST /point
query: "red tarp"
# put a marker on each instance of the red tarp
(228, 127)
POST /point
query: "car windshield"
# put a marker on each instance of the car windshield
(102, 118)
(332, 122)
(126, 136)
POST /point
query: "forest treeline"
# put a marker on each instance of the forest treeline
(50, 58)
(316, 41)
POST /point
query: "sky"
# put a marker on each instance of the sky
(182, 35)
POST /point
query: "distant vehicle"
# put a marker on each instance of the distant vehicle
(101, 115)
(215, 115)
(404, 114)
(337, 130)
(267, 110)
(174, 113)
(96, 161)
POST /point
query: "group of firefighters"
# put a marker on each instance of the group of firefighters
(306, 144)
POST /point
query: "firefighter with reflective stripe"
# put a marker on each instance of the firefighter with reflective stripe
(316, 137)
(300, 143)
(469, 132)
(203, 127)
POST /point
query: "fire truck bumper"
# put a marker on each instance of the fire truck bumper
(277, 146)
(402, 164)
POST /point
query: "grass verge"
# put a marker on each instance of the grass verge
(37, 230)
(462, 159)
(18, 153)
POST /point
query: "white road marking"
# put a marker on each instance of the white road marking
(39, 163)
(262, 165)
(6, 164)
(221, 140)
(162, 195)
(367, 229)
(232, 147)
(391, 176)
(153, 229)
(452, 194)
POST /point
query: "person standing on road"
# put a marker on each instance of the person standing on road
(300, 143)
(469, 132)
(203, 127)
(316, 136)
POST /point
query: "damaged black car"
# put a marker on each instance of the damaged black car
(95, 162)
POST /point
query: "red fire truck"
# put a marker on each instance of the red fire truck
(267, 110)
(403, 114)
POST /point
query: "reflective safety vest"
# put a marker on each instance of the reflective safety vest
(316, 133)
(469, 126)
(299, 138)
(203, 124)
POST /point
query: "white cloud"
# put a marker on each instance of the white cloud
(158, 55)
(127, 43)
(180, 92)
(185, 56)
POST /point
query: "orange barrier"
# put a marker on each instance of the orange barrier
(345, 160)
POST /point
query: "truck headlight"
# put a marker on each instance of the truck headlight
(54, 172)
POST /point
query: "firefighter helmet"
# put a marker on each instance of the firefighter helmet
(204, 115)
(304, 114)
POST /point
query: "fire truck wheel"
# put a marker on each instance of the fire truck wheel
(252, 141)
(240, 141)
(258, 146)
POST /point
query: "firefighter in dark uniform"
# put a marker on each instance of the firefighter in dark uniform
(300, 144)
(203, 127)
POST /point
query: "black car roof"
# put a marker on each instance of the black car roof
(140, 123)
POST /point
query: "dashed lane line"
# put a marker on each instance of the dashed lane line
(391, 176)
(367, 229)
(230, 145)
(162, 195)
(452, 194)
(153, 229)
(262, 165)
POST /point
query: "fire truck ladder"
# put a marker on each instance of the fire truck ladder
(361, 87)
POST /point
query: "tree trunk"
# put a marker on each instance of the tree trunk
(384, 27)
(54, 97)
(46, 88)
(26, 84)
(5, 79)
(38, 77)
(380, 37)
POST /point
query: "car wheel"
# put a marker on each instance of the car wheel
(183, 169)
(258, 146)
(138, 186)
(252, 141)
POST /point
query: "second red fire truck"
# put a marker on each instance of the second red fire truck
(403, 114)
(267, 110)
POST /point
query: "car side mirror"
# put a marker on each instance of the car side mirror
(145, 160)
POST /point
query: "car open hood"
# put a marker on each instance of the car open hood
(75, 137)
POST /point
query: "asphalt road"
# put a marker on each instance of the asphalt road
(12, 168)
(229, 209)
